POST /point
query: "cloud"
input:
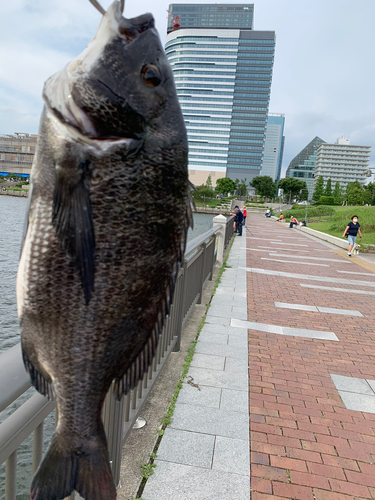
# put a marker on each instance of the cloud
(323, 73)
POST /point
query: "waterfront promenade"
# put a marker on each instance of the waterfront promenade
(287, 351)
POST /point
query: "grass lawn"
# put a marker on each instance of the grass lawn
(325, 227)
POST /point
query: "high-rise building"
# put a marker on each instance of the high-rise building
(343, 163)
(17, 153)
(303, 165)
(223, 72)
(212, 15)
(274, 146)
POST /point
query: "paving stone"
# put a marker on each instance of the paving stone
(215, 320)
(352, 384)
(223, 290)
(236, 365)
(358, 402)
(309, 334)
(222, 379)
(332, 310)
(221, 311)
(356, 273)
(206, 396)
(237, 401)
(216, 338)
(208, 361)
(307, 257)
(300, 307)
(256, 326)
(371, 383)
(220, 350)
(211, 421)
(189, 448)
(296, 262)
(238, 340)
(225, 330)
(175, 481)
(327, 279)
(231, 455)
(335, 289)
(282, 330)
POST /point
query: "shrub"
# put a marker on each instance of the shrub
(326, 200)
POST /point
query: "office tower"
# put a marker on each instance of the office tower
(223, 71)
(303, 165)
(343, 163)
(274, 146)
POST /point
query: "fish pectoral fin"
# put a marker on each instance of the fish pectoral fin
(39, 379)
(73, 220)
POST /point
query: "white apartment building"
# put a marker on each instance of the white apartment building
(342, 162)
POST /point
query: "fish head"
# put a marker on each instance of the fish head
(121, 86)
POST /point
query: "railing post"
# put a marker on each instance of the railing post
(37, 447)
(201, 277)
(11, 477)
(180, 317)
(113, 420)
(220, 221)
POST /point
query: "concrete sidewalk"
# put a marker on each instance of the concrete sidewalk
(204, 453)
(296, 317)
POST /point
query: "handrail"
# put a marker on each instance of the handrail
(14, 379)
(118, 416)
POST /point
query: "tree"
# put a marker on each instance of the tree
(355, 193)
(241, 187)
(369, 193)
(264, 186)
(319, 188)
(225, 186)
(293, 188)
(338, 194)
(328, 189)
(209, 182)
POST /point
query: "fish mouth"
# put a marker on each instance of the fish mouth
(64, 92)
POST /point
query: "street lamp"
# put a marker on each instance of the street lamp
(307, 202)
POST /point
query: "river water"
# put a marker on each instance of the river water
(12, 219)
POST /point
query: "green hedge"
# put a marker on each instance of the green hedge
(315, 211)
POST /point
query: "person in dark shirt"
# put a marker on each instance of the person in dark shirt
(351, 230)
(238, 219)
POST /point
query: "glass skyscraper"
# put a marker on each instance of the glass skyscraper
(274, 146)
(223, 72)
(303, 165)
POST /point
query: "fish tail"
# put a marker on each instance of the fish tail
(66, 468)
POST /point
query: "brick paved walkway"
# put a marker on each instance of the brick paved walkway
(305, 443)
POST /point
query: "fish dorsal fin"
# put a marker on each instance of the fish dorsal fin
(73, 220)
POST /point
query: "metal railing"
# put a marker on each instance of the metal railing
(118, 416)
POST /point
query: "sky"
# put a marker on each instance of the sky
(323, 78)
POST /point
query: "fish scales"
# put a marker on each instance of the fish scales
(106, 232)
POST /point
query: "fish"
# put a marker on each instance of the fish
(109, 211)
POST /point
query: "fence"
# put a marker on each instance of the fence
(118, 416)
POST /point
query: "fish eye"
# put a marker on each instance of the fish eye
(151, 75)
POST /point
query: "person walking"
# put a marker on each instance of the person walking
(351, 231)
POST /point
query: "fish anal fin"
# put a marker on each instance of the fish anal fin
(39, 379)
(73, 220)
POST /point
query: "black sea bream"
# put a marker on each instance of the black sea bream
(106, 232)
